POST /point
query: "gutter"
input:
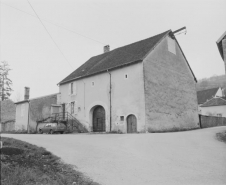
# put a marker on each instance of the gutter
(105, 70)
(28, 125)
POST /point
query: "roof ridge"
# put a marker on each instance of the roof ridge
(120, 56)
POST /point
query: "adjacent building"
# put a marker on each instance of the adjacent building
(214, 107)
(207, 94)
(221, 44)
(30, 111)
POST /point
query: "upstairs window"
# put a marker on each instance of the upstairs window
(72, 88)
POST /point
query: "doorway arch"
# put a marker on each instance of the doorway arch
(131, 124)
(99, 119)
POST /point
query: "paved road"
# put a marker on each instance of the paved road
(192, 157)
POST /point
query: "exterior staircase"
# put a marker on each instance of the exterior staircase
(72, 124)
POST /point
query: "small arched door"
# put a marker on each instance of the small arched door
(131, 124)
(99, 119)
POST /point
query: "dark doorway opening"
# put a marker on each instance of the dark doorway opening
(99, 119)
(131, 124)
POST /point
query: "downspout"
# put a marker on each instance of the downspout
(110, 97)
(28, 125)
(84, 98)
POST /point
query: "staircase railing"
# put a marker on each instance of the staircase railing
(69, 120)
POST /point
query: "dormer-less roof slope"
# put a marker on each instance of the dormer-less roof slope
(205, 95)
(116, 58)
(215, 102)
(125, 55)
(219, 44)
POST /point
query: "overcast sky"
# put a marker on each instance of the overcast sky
(78, 30)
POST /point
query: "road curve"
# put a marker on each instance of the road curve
(192, 157)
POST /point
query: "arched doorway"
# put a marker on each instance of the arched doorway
(99, 119)
(131, 124)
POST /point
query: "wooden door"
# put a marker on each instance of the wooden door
(131, 124)
(99, 119)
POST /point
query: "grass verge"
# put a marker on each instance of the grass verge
(26, 164)
(221, 136)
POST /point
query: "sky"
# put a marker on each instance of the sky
(43, 41)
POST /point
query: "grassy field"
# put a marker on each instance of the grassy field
(26, 164)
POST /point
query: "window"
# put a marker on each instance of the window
(93, 84)
(219, 115)
(72, 107)
(126, 76)
(121, 118)
(72, 88)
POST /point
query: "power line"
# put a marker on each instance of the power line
(49, 33)
(56, 24)
(59, 27)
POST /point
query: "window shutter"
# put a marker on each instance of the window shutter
(69, 88)
(74, 90)
(76, 107)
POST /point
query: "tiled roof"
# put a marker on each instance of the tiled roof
(118, 57)
(215, 102)
(205, 95)
(26, 101)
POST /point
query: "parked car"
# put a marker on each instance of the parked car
(53, 128)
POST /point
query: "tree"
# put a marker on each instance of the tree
(5, 82)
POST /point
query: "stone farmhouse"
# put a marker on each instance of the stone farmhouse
(146, 86)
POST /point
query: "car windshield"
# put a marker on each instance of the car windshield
(50, 125)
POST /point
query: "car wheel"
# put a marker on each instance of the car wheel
(62, 132)
(40, 131)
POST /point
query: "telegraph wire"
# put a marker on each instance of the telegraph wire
(49, 33)
(57, 25)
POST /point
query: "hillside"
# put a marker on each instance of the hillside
(214, 81)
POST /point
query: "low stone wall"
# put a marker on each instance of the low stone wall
(7, 126)
(211, 121)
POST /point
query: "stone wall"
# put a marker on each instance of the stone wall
(8, 110)
(8, 126)
(40, 108)
(170, 93)
(8, 113)
(212, 121)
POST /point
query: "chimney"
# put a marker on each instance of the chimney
(224, 52)
(26, 93)
(106, 48)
